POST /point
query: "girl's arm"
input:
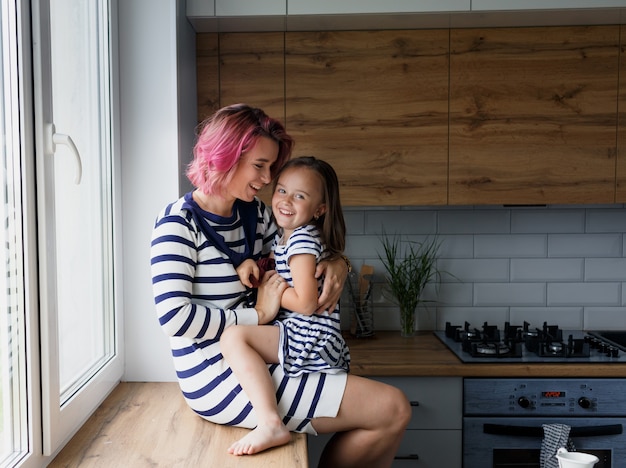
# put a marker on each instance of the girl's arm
(302, 297)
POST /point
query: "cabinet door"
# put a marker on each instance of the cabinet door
(533, 115)
(436, 401)
(430, 449)
(374, 104)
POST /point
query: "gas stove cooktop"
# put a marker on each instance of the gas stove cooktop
(524, 343)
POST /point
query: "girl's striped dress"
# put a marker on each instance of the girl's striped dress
(309, 343)
(198, 294)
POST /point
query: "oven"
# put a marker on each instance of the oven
(503, 419)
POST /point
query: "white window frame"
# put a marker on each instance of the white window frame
(62, 423)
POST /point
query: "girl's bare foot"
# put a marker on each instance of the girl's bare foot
(261, 438)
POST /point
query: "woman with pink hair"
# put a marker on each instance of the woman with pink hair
(197, 244)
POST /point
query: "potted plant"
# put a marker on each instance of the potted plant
(407, 274)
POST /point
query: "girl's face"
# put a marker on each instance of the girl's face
(298, 198)
(253, 170)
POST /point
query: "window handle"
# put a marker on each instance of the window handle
(53, 139)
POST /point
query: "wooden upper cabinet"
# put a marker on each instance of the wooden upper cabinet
(252, 71)
(533, 115)
(620, 195)
(374, 104)
(207, 78)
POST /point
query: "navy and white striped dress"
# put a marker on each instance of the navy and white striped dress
(197, 295)
(308, 343)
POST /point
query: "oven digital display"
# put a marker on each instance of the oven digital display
(553, 394)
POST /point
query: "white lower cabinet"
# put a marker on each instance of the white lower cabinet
(433, 437)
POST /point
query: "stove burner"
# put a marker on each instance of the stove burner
(492, 348)
(545, 343)
(555, 348)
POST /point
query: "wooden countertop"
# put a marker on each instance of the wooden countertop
(149, 424)
(423, 355)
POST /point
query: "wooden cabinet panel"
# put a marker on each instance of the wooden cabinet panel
(252, 70)
(620, 195)
(207, 79)
(533, 115)
(374, 104)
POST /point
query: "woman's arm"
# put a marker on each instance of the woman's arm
(185, 306)
(335, 273)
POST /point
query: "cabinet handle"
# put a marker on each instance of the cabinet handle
(412, 456)
(415, 403)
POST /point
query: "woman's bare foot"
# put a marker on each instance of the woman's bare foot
(261, 438)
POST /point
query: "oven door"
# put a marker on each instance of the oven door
(508, 442)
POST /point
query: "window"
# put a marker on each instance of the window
(13, 411)
(59, 342)
(75, 165)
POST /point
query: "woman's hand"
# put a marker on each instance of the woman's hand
(335, 273)
(268, 297)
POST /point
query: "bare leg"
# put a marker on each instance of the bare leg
(247, 350)
(370, 425)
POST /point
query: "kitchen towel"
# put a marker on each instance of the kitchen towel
(555, 436)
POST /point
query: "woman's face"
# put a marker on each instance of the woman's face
(253, 170)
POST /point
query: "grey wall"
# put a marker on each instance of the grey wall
(564, 265)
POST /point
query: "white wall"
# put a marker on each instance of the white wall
(150, 148)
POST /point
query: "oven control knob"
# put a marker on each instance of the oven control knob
(584, 402)
(523, 402)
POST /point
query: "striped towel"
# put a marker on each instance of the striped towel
(555, 436)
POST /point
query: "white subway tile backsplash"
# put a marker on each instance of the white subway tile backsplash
(456, 246)
(547, 221)
(547, 269)
(584, 294)
(509, 294)
(606, 220)
(564, 317)
(474, 222)
(456, 294)
(401, 222)
(584, 245)
(509, 246)
(355, 222)
(605, 318)
(475, 270)
(605, 269)
(559, 264)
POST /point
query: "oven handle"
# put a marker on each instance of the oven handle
(529, 431)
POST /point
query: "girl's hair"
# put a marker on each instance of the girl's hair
(224, 137)
(331, 224)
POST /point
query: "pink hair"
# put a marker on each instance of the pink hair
(224, 137)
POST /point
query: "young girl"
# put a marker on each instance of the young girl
(306, 206)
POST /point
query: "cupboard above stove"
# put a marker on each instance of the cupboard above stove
(461, 116)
